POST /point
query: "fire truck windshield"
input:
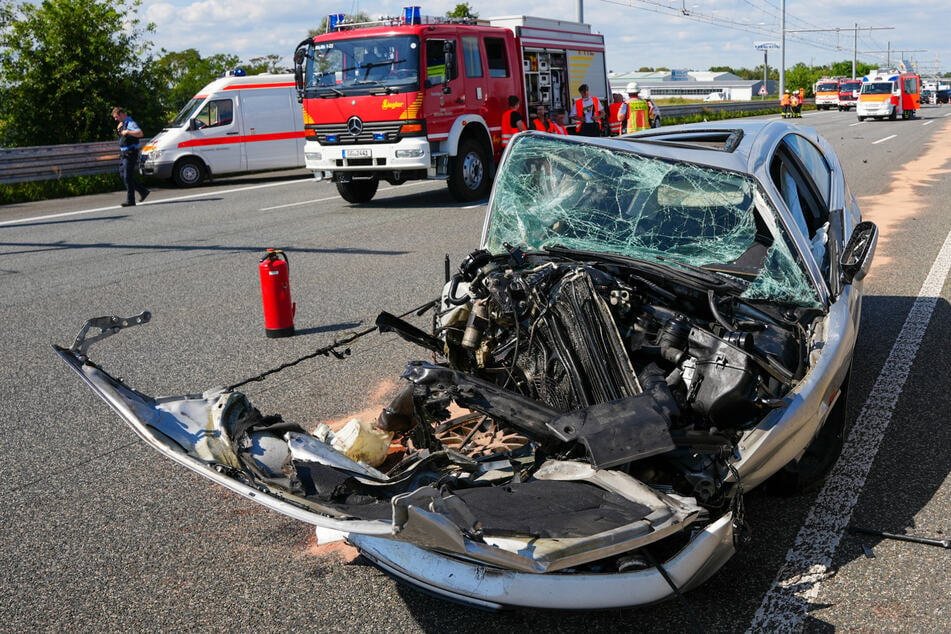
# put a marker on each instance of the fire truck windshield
(877, 88)
(363, 65)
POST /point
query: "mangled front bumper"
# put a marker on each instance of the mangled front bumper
(419, 538)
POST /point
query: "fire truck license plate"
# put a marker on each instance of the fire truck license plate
(356, 154)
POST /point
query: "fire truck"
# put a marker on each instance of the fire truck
(849, 90)
(889, 94)
(414, 98)
(826, 91)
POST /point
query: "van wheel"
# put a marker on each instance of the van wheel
(893, 115)
(810, 471)
(469, 175)
(861, 118)
(188, 172)
(360, 191)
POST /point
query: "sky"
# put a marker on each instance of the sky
(676, 34)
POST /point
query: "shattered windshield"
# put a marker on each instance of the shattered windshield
(362, 65)
(558, 192)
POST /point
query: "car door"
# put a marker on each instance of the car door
(215, 136)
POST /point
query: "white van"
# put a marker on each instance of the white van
(234, 124)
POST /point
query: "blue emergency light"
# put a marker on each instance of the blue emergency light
(411, 15)
(333, 20)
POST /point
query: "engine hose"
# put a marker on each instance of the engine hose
(451, 295)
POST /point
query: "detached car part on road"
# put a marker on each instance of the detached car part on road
(653, 326)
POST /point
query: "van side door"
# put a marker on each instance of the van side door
(270, 124)
(215, 135)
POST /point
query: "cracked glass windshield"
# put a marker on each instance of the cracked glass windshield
(559, 192)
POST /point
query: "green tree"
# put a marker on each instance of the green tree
(462, 11)
(65, 63)
(184, 73)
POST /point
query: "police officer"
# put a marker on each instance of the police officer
(129, 134)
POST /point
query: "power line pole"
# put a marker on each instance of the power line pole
(855, 32)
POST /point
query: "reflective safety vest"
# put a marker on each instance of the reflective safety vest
(540, 125)
(784, 100)
(637, 115)
(579, 111)
(554, 128)
(508, 131)
(794, 100)
(615, 123)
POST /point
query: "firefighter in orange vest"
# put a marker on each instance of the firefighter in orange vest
(795, 103)
(587, 113)
(615, 123)
(557, 124)
(638, 110)
(785, 102)
(512, 121)
(541, 121)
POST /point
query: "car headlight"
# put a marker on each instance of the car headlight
(154, 155)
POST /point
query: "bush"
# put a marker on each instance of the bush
(13, 193)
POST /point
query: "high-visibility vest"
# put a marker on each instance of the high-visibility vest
(554, 128)
(508, 130)
(784, 100)
(615, 122)
(794, 100)
(637, 115)
(579, 111)
(540, 125)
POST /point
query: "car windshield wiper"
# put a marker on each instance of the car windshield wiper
(329, 91)
(686, 274)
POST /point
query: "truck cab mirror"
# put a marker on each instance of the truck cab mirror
(857, 256)
(449, 50)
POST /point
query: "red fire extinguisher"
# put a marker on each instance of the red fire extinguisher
(276, 294)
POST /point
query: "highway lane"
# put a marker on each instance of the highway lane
(104, 534)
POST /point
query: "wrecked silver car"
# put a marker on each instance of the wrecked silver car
(652, 326)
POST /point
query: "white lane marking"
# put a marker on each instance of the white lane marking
(885, 139)
(928, 122)
(164, 200)
(323, 200)
(796, 587)
(856, 123)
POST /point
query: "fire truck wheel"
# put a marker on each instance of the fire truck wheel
(469, 175)
(188, 172)
(361, 191)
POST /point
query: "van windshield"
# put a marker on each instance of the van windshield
(367, 65)
(877, 88)
(186, 113)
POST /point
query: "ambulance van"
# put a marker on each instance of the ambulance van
(233, 125)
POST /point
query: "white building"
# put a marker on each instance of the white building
(689, 84)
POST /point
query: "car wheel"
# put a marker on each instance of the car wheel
(469, 175)
(360, 191)
(809, 472)
(861, 118)
(188, 172)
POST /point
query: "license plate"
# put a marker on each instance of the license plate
(356, 153)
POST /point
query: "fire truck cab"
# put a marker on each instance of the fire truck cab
(826, 91)
(416, 98)
(849, 90)
(889, 94)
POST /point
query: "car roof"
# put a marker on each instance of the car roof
(741, 146)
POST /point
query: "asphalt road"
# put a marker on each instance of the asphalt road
(100, 533)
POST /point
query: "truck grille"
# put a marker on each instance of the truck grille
(373, 132)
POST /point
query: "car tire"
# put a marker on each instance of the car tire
(893, 115)
(188, 172)
(810, 470)
(358, 191)
(469, 174)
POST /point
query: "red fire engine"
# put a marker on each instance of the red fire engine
(422, 98)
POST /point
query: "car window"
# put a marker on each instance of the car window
(813, 161)
(216, 112)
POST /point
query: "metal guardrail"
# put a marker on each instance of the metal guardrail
(50, 162)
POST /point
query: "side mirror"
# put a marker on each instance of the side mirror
(192, 124)
(857, 257)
